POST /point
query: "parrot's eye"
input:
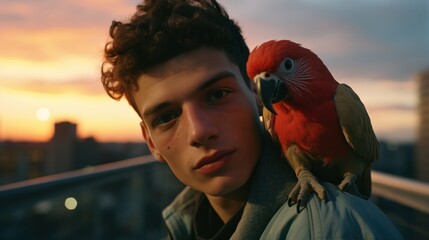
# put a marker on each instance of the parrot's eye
(288, 65)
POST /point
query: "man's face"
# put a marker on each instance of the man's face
(201, 118)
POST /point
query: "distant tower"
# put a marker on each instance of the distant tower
(422, 150)
(61, 148)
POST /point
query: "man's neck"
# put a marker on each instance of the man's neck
(228, 205)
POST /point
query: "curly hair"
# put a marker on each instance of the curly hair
(160, 30)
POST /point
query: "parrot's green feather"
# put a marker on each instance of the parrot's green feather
(356, 124)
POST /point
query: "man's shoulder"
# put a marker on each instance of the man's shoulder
(342, 216)
(178, 216)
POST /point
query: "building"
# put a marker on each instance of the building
(397, 159)
(61, 148)
(21, 160)
(422, 145)
(65, 151)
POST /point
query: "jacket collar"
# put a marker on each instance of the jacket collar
(272, 181)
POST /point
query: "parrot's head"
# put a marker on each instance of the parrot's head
(285, 71)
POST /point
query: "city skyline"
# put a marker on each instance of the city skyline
(50, 60)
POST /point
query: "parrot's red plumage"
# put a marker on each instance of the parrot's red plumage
(320, 124)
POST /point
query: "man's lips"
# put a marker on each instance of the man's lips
(214, 157)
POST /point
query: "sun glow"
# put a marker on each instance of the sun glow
(43, 114)
(30, 116)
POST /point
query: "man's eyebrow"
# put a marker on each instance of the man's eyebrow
(156, 108)
(217, 77)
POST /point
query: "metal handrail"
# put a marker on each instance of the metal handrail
(20, 193)
(411, 193)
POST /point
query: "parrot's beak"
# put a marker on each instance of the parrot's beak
(270, 90)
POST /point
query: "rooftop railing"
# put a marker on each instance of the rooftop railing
(120, 200)
(123, 200)
(410, 193)
(405, 202)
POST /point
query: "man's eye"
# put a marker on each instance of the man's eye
(165, 118)
(218, 94)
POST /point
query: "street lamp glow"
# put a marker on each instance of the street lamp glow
(70, 203)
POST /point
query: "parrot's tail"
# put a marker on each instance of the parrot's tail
(365, 182)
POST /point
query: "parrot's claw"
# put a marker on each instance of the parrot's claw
(307, 183)
(349, 185)
(349, 179)
(290, 202)
(300, 206)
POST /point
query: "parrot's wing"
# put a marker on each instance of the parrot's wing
(356, 124)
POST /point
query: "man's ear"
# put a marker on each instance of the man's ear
(150, 144)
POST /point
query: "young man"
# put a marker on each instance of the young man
(181, 65)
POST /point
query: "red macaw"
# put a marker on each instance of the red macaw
(321, 125)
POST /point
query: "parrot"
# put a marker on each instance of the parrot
(320, 125)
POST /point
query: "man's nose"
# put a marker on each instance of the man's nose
(201, 126)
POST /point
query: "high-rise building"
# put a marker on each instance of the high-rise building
(61, 148)
(422, 148)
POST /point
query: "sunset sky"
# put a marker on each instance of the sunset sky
(51, 51)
